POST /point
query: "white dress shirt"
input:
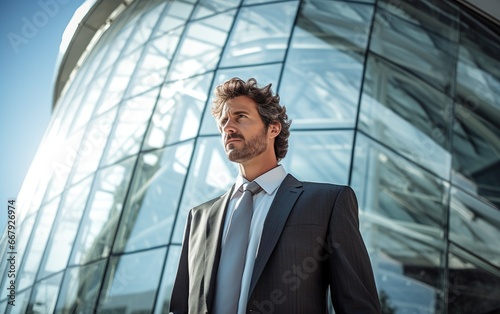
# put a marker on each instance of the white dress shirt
(269, 182)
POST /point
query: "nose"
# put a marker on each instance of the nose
(228, 127)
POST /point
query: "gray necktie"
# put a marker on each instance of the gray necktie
(233, 256)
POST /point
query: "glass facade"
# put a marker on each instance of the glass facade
(399, 99)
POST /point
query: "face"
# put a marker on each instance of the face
(243, 132)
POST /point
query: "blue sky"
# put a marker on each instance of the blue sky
(31, 33)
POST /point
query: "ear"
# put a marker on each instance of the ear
(274, 129)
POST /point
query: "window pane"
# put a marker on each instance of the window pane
(131, 282)
(91, 96)
(476, 137)
(264, 74)
(101, 215)
(62, 157)
(408, 267)
(473, 285)
(201, 46)
(422, 52)
(332, 156)
(22, 237)
(44, 297)
(475, 224)
(142, 29)
(167, 282)
(153, 199)
(80, 289)
(93, 143)
(393, 189)
(407, 115)
(118, 82)
(22, 300)
(65, 228)
(210, 175)
(210, 7)
(39, 236)
(402, 219)
(114, 46)
(130, 126)
(440, 17)
(178, 112)
(175, 15)
(260, 34)
(324, 66)
(155, 61)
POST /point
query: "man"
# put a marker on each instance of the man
(295, 240)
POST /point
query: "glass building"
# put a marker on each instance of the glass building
(399, 99)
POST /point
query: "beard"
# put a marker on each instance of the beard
(249, 148)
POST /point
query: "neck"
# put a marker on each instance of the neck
(253, 169)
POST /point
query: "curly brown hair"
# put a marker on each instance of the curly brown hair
(268, 106)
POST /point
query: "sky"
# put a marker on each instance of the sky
(31, 33)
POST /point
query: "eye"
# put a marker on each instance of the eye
(242, 116)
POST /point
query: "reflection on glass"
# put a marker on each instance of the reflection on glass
(80, 289)
(331, 151)
(44, 296)
(473, 285)
(61, 154)
(91, 97)
(408, 269)
(167, 281)
(118, 82)
(92, 146)
(22, 300)
(391, 188)
(113, 46)
(65, 228)
(101, 215)
(33, 190)
(210, 175)
(407, 115)
(476, 151)
(130, 126)
(420, 51)
(210, 7)
(201, 46)
(22, 236)
(264, 74)
(131, 282)
(475, 224)
(153, 199)
(440, 17)
(33, 254)
(178, 111)
(150, 12)
(175, 15)
(154, 64)
(476, 137)
(324, 66)
(260, 34)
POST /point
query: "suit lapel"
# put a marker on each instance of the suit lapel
(288, 193)
(214, 226)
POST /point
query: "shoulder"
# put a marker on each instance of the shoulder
(327, 187)
(207, 205)
(328, 190)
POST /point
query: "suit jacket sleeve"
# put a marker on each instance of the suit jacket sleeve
(180, 292)
(352, 282)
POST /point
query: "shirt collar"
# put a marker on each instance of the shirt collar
(268, 181)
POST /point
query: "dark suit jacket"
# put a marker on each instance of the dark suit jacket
(310, 242)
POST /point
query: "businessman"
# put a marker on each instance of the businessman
(271, 244)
